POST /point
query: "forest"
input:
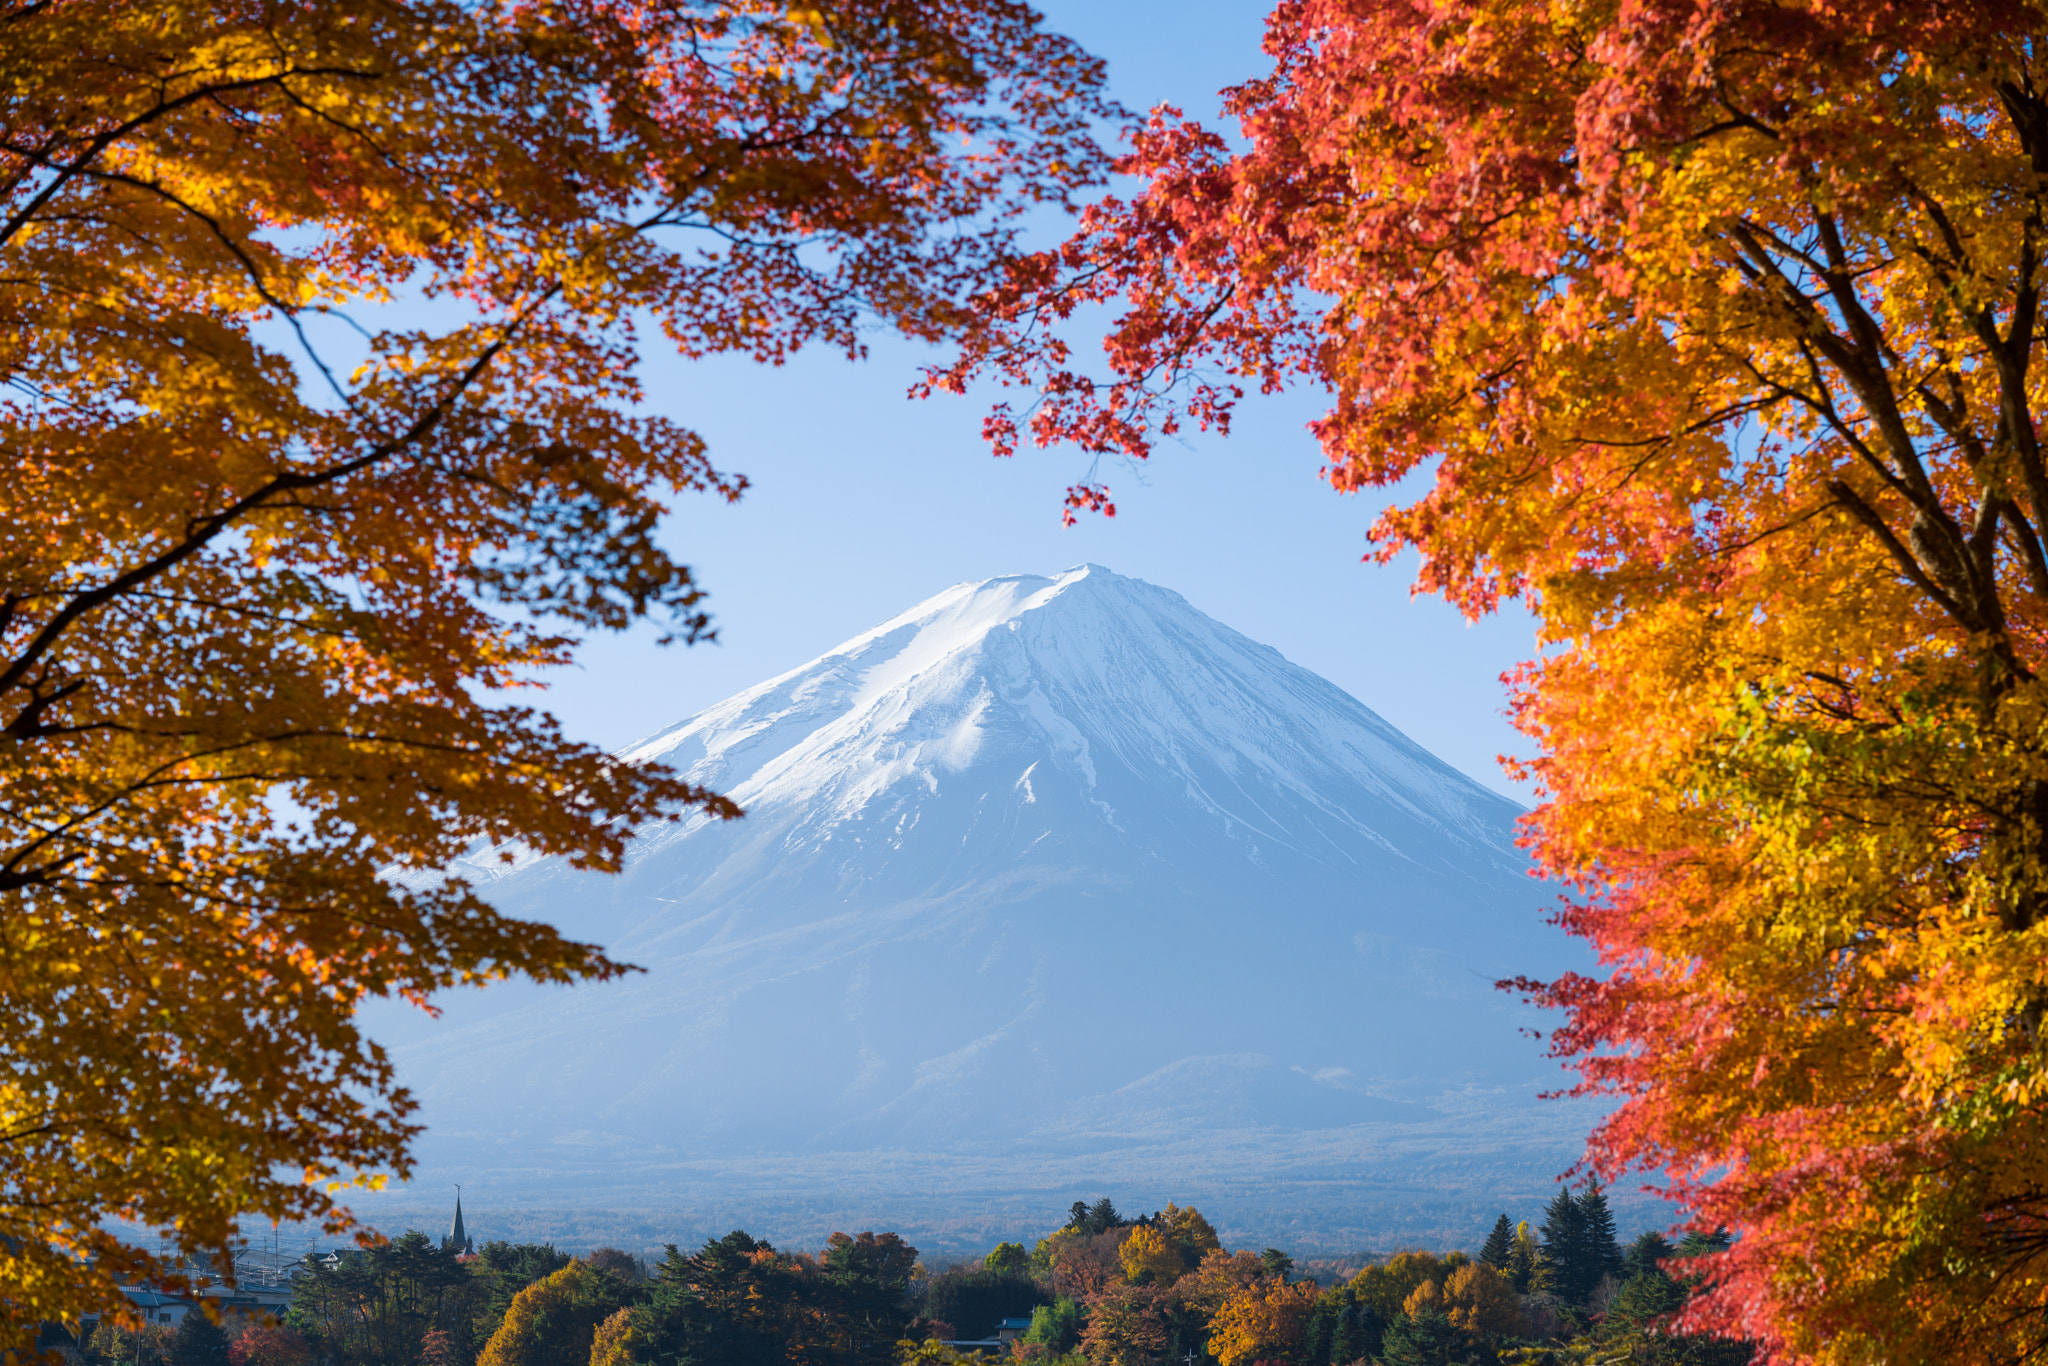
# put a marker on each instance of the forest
(1103, 1289)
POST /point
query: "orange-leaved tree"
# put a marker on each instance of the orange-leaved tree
(1712, 330)
(570, 1317)
(319, 326)
(1261, 1322)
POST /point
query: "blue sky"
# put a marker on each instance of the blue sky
(864, 502)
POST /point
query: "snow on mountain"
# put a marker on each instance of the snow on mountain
(1052, 876)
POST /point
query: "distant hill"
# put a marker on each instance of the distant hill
(1048, 887)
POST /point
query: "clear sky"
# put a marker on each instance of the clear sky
(864, 502)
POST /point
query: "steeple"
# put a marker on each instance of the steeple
(457, 1241)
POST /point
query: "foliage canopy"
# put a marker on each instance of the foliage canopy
(1712, 331)
(319, 326)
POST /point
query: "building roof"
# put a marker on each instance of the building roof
(457, 1238)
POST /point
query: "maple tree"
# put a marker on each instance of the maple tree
(270, 1344)
(319, 326)
(1711, 331)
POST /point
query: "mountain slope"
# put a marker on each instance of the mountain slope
(1043, 868)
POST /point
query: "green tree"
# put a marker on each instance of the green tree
(1644, 1298)
(1524, 1262)
(374, 1303)
(974, 1299)
(1341, 1329)
(1097, 1218)
(1012, 1258)
(1056, 1326)
(737, 1302)
(620, 1265)
(1499, 1250)
(1276, 1262)
(661, 1322)
(1424, 1338)
(867, 1280)
(1602, 1243)
(1579, 1245)
(1646, 1253)
(199, 1342)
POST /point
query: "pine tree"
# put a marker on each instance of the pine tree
(1500, 1245)
(199, 1342)
(1425, 1338)
(1645, 1254)
(1360, 1334)
(1562, 1265)
(1523, 1263)
(1603, 1246)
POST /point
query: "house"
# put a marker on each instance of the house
(155, 1307)
(1007, 1332)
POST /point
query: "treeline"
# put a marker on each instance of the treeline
(1162, 1288)
(1102, 1290)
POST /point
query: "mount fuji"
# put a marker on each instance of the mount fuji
(1045, 886)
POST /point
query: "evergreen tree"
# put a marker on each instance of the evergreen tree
(726, 1304)
(1644, 1298)
(869, 1276)
(1360, 1335)
(1644, 1255)
(1579, 1244)
(1341, 1329)
(661, 1322)
(1424, 1338)
(1523, 1261)
(1603, 1246)
(1276, 1262)
(198, 1342)
(1500, 1246)
(1102, 1216)
(1561, 1266)
(505, 1269)
(975, 1299)
(1698, 1244)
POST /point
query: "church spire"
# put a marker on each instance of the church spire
(457, 1241)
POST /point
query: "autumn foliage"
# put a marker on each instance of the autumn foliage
(1261, 1322)
(268, 1344)
(319, 324)
(557, 1320)
(1712, 332)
